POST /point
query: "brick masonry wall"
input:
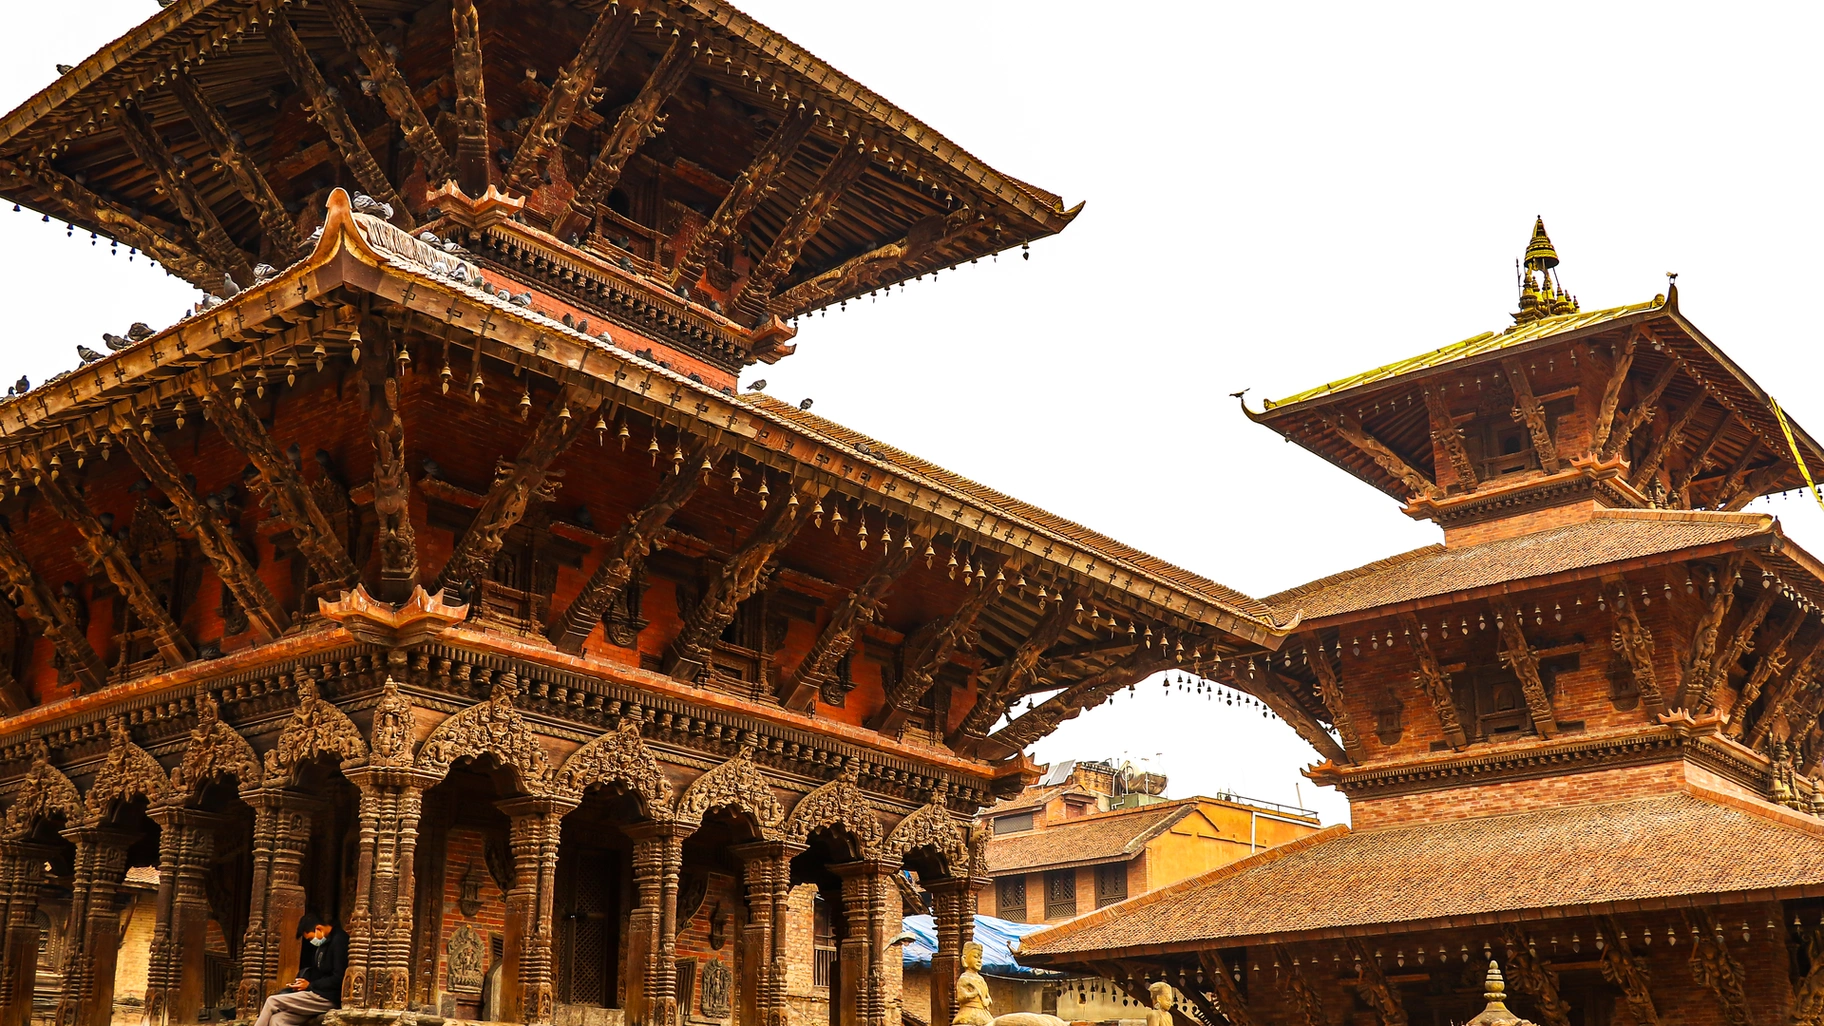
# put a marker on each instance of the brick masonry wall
(466, 848)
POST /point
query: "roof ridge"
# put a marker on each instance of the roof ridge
(1190, 883)
(1771, 813)
(1694, 516)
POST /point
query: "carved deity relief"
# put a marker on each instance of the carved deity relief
(973, 1002)
(391, 736)
(466, 955)
(718, 988)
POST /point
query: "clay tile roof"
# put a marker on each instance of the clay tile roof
(1109, 837)
(1028, 799)
(1581, 859)
(930, 474)
(1613, 536)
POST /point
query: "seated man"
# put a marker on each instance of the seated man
(318, 987)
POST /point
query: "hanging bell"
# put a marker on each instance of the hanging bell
(952, 565)
(601, 430)
(791, 500)
(677, 458)
(56, 466)
(240, 392)
(764, 491)
(525, 402)
(405, 359)
(1000, 581)
(623, 434)
(652, 447)
(259, 383)
(862, 534)
(836, 519)
(817, 514)
(734, 481)
(886, 535)
(179, 410)
(354, 346)
(905, 543)
(1149, 637)
(291, 371)
(563, 414)
(82, 453)
(443, 376)
(319, 354)
(930, 554)
(475, 384)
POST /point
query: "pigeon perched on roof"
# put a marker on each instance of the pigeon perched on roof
(86, 355)
(115, 342)
(229, 288)
(263, 272)
(139, 330)
(756, 385)
(365, 204)
(523, 299)
(804, 404)
(432, 470)
(23, 385)
(64, 69)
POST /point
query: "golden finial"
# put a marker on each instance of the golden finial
(1497, 1013)
(1540, 256)
(1541, 293)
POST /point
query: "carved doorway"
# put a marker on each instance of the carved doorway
(590, 903)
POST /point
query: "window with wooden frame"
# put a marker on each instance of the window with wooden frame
(1111, 883)
(1060, 893)
(1010, 898)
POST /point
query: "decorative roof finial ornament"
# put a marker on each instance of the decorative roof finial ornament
(1497, 1013)
(1542, 295)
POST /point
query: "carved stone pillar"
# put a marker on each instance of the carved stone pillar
(380, 925)
(652, 930)
(21, 876)
(767, 872)
(528, 994)
(94, 931)
(174, 968)
(269, 953)
(867, 887)
(953, 914)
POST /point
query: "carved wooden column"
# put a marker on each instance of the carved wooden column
(21, 876)
(526, 977)
(269, 952)
(380, 925)
(767, 871)
(953, 915)
(174, 968)
(867, 887)
(94, 930)
(652, 930)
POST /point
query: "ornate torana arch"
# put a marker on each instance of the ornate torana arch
(44, 793)
(735, 784)
(215, 750)
(839, 803)
(130, 772)
(494, 728)
(620, 757)
(317, 728)
(932, 827)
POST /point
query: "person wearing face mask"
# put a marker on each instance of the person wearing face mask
(318, 988)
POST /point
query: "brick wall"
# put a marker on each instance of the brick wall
(466, 848)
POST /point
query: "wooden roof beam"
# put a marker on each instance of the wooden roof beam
(283, 487)
(1445, 430)
(158, 240)
(992, 697)
(803, 225)
(242, 169)
(35, 599)
(213, 536)
(332, 117)
(927, 653)
(1416, 481)
(1278, 696)
(394, 92)
(1736, 479)
(1087, 693)
(623, 553)
(736, 581)
(1634, 640)
(105, 552)
(867, 269)
(568, 95)
(514, 490)
(474, 168)
(1330, 692)
(1611, 391)
(1520, 658)
(1700, 456)
(639, 120)
(1435, 683)
(850, 617)
(1665, 444)
(397, 541)
(1642, 411)
(1527, 408)
(1773, 660)
(1740, 641)
(1701, 660)
(755, 182)
(143, 139)
(1790, 686)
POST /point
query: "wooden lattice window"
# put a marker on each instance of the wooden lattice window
(1010, 898)
(1111, 883)
(1060, 893)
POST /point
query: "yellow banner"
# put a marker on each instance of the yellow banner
(1799, 458)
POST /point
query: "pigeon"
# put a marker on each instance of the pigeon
(756, 385)
(365, 204)
(263, 272)
(208, 303)
(502, 294)
(429, 239)
(115, 342)
(64, 69)
(87, 355)
(23, 385)
(214, 502)
(523, 299)
(139, 330)
(432, 470)
(583, 517)
(804, 404)
(229, 288)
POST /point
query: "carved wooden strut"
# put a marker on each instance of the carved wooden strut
(847, 621)
(1529, 410)
(1435, 683)
(473, 166)
(1445, 430)
(1521, 659)
(142, 138)
(1635, 643)
(743, 196)
(569, 94)
(212, 125)
(992, 696)
(926, 653)
(803, 225)
(35, 599)
(1330, 692)
(394, 92)
(392, 482)
(105, 552)
(638, 120)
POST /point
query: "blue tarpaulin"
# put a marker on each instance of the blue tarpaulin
(996, 937)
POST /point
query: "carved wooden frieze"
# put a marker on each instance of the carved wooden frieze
(735, 784)
(837, 804)
(620, 758)
(317, 728)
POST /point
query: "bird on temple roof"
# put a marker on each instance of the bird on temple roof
(805, 405)
(64, 69)
(139, 330)
(229, 288)
(22, 386)
(115, 342)
(85, 354)
(365, 204)
(756, 385)
(523, 299)
(262, 272)
(432, 470)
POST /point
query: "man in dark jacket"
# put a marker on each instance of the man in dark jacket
(321, 965)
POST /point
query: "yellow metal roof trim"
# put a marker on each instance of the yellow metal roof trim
(1475, 345)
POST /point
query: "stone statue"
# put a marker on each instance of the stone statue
(1164, 999)
(972, 1000)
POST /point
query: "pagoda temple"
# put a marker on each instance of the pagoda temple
(432, 575)
(1579, 736)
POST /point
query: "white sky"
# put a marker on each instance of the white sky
(1278, 195)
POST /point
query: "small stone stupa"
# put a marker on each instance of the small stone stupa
(1497, 1013)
